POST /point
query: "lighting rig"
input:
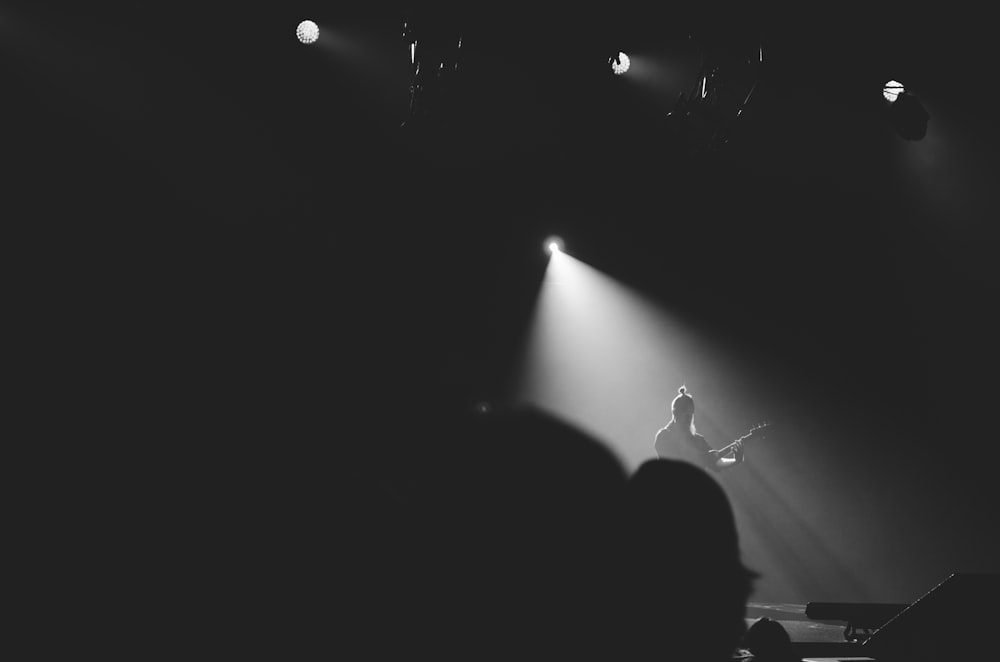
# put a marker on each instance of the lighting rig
(435, 45)
(706, 116)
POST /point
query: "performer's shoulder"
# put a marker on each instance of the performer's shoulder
(700, 439)
(661, 443)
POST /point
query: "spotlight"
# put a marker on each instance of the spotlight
(906, 114)
(619, 63)
(892, 90)
(307, 32)
(553, 245)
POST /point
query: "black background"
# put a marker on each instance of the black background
(228, 239)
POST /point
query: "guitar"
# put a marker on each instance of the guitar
(758, 431)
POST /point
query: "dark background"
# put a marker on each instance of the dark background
(233, 254)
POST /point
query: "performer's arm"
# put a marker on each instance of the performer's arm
(732, 457)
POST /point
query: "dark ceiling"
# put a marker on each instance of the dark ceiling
(252, 208)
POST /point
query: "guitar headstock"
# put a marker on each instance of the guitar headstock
(758, 431)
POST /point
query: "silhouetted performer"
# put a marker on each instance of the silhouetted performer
(679, 440)
(683, 586)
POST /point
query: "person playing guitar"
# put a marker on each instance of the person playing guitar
(679, 440)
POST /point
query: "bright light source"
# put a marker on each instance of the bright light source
(619, 64)
(892, 90)
(553, 245)
(307, 32)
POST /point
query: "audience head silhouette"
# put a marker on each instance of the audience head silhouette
(526, 503)
(520, 535)
(768, 641)
(686, 588)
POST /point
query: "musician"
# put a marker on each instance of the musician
(679, 440)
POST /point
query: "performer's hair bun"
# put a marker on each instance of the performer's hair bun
(682, 401)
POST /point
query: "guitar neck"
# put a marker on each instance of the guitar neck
(730, 446)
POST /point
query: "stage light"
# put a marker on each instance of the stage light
(892, 90)
(906, 114)
(619, 63)
(553, 245)
(307, 32)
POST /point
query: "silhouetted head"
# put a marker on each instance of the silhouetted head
(768, 640)
(522, 458)
(682, 409)
(528, 503)
(686, 587)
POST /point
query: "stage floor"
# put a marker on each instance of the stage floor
(799, 627)
(811, 639)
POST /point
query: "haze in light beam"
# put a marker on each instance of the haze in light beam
(608, 360)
